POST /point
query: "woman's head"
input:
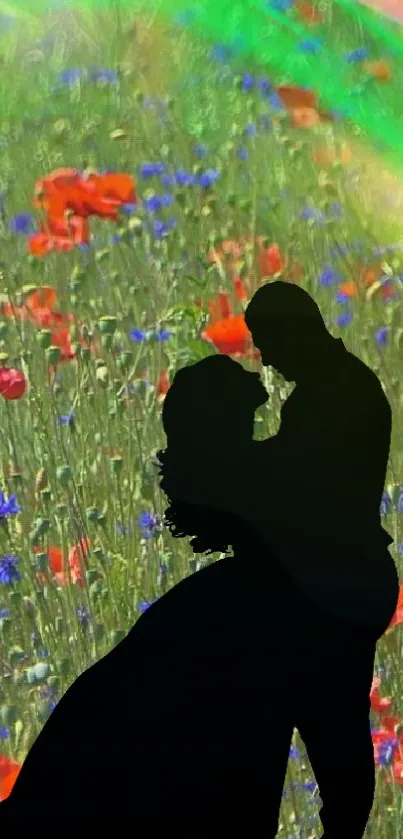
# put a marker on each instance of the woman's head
(215, 396)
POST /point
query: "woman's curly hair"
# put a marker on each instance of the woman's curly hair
(211, 531)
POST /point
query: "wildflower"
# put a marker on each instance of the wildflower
(305, 117)
(149, 525)
(281, 5)
(10, 507)
(357, 55)
(145, 604)
(221, 53)
(97, 75)
(168, 180)
(163, 383)
(157, 202)
(149, 169)
(12, 383)
(161, 228)
(329, 276)
(308, 12)
(162, 335)
(138, 335)
(4, 732)
(275, 101)
(242, 153)
(344, 319)
(381, 336)
(379, 70)
(398, 616)
(22, 224)
(9, 771)
(311, 45)
(71, 76)
(9, 572)
(200, 150)
(247, 82)
(206, 179)
(83, 616)
(229, 335)
(386, 504)
(67, 420)
(270, 260)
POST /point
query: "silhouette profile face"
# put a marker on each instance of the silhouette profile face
(215, 398)
(286, 327)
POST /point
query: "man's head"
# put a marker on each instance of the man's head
(287, 327)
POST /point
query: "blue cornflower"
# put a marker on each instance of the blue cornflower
(71, 76)
(381, 336)
(336, 210)
(281, 5)
(399, 502)
(200, 150)
(9, 572)
(386, 504)
(329, 276)
(127, 209)
(357, 55)
(168, 180)
(242, 153)
(275, 102)
(294, 753)
(10, 507)
(247, 82)
(251, 129)
(138, 335)
(4, 613)
(183, 178)
(67, 419)
(265, 86)
(341, 297)
(311, 213)
(386, 750)
(162, 335)
(221, 53)
(311, 45)
(209, 177)
(149, 525)
(44, 653)
(22, 224)
(97, 75)
(4, 732)
(161, 228)
(144, 605)
(83, 616)
(149, 169)
(310, 786)
(400, 548)
(157, 202)
(344, 319)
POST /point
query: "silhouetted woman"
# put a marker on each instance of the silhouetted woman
(185, 726)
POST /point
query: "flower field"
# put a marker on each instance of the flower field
(141, 206)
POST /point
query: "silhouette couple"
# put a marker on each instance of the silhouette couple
(185, 726)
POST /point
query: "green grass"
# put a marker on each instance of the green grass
(109, 449)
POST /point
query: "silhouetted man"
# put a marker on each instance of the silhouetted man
(334, 442)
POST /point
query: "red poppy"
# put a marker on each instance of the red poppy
(163, 383)
(239, 288)
(398, 616)
(378, 704)
(220, 307)
(270, 260)
(229, 335)
(13, 383)
(9, 771)
(99, 195)
(59, 234)
(308, 12)
(56, 564)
